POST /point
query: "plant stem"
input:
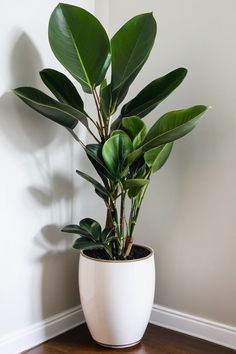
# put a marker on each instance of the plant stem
(71, 131)
(138, 206)
(109, 125)
(122, 221)
(93, 135)
(134, 213)
(100, 119)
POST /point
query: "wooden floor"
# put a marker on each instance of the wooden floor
(157, 340)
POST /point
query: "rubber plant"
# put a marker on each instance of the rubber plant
(124, 153)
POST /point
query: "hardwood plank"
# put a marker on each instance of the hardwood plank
(157, 340)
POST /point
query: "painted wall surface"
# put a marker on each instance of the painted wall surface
(38, 271)
(189, 212)
(188, 216)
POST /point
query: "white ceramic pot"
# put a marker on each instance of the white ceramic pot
(117, 298)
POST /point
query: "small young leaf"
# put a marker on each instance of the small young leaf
(156, 157)
(115, 151)
(135, 183)
(136, 129)
(134, 186)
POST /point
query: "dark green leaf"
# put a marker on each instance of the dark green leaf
(153, 94)
(92, 227)
(82, 243)
(94, 153)
(156, 157)
(131, 46)
(141, 170)
(105, 95)
(75, 229)
(115, 151)
(58, 112)
(106, 233)
(108, 249)
(80, 43)
(172, 126)
(105, 198)
(62, 88)
(102, 190)
(118, 95)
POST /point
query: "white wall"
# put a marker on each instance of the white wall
(189, 212)
(38, 271)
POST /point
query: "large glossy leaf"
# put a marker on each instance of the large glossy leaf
(172, 126)
(153, 94)
(60, 113)
(80, 43)
(62, 88)
(115, 151)
(131, 46)
(102, 190)
(156, 157)
(118, 95)
(83, 242)
(135, 128)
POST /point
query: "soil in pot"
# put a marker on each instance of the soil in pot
(137, 252)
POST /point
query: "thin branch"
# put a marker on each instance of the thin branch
(99, 130)
(75, 136)
(91, 120)
(94, 136)
(109, 125)
(97, 96)
(96, 100)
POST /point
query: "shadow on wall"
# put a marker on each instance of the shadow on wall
(19, 123)
(59, 271)
(31, 136)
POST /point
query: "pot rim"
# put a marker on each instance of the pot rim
(121, 261)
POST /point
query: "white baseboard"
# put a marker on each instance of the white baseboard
(195, 326)
(38, 333)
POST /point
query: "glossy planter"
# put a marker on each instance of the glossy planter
(117, 298)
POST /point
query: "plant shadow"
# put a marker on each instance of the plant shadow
(59, 284)
(29, 136)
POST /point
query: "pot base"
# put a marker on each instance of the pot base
(119, 346)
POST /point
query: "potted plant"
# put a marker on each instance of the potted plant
(116, 278)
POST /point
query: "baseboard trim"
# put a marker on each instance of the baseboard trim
(215, 332)
(38, 333)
